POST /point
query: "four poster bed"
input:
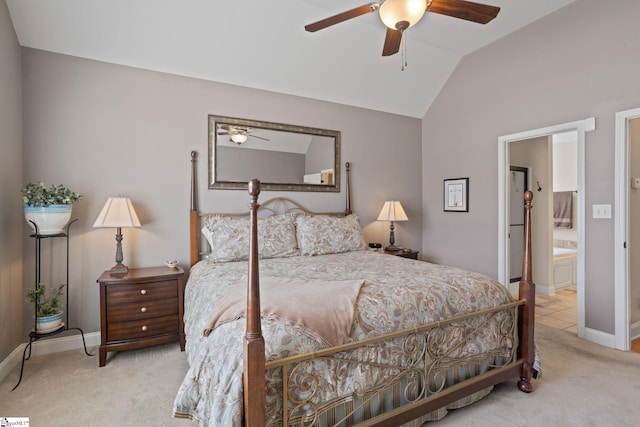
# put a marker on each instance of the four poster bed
(291, 321)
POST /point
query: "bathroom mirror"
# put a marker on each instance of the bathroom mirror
(281, 156)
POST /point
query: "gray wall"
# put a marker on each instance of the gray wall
(319, 155)
(241, 164)
(104, 130)
(582, 61)
(11, 219)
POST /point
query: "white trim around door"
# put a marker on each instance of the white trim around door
(621, 240)
(580, 126)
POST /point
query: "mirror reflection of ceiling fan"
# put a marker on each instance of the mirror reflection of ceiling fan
(238, 135)
(398, 15)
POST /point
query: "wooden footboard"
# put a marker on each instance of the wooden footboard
(415, 390)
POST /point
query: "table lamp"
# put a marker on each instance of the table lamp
(118, 212)
(392, 211)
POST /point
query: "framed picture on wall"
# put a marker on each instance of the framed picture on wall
(456, 195)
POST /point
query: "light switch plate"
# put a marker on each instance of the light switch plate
(602, 211)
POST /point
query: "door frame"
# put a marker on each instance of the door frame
(621, 227)
(581, 127)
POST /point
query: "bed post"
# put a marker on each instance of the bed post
(254, 357)
(347, 167)
(526, 315)
(193, 213)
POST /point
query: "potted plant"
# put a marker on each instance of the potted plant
(49, 208)
(47, 307)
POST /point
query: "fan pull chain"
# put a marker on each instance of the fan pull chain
(404, 53)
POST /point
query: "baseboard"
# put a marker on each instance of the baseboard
(51, 345)
(600, 337)
(634, 330)
(514, 288)
(548, 290)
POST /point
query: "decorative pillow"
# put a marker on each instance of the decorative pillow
(229, 237)
(319, 235)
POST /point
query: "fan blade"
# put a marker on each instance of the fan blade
(336, 19)
(392, 42)
(223, 132)
(467, 10)
(259, 137)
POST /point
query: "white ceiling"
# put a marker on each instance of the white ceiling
(263, 44)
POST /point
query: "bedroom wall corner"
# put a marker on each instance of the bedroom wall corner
(11, 218)
(580, 61)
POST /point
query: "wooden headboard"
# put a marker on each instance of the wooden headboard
(274, 206)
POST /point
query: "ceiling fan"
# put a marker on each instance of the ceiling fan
(398, 15)
(238, 135)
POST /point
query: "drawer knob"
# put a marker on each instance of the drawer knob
(143, 292)
(144, 328)
(143, 309)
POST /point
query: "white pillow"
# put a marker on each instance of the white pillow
(321, 234)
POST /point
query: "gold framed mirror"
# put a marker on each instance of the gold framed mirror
(283, 157)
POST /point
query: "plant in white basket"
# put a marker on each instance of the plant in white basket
(48, 307)
(49, 208)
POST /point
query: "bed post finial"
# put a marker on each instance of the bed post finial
(347, 167)
(254, 191)
(194, 244)
(526, 317)
(254, 357)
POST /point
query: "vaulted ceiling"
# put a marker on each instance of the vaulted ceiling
(263, 44)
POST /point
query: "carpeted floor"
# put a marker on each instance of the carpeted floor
(135, 388)
(584, 384)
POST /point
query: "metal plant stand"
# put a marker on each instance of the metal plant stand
(34, 335)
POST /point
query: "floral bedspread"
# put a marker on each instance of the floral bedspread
(398, 293)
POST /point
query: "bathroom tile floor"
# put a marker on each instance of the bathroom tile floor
(560, 312)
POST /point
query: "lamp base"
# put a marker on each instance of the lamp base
(119, 268)
(393, 248)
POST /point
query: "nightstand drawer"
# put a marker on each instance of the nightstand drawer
(120, 331)
(118, 294)
(142, 310)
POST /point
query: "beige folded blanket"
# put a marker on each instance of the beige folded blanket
(325, 309)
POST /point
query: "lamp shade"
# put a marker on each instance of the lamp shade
(117, 212)
(392, 211)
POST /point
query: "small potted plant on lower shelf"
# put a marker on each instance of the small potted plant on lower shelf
(48, 307)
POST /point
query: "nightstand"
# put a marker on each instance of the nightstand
(403, 254)
(141, 308)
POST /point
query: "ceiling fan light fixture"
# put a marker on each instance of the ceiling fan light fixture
(394, 12)
(239, 138)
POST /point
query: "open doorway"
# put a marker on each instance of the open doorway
(545, 204)
(551, 161)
